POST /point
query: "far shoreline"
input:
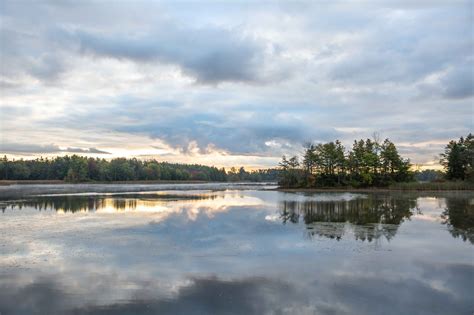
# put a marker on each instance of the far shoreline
(431, 187)
(62, 182)
(128, 182)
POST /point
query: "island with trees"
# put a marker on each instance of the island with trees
(371, 163)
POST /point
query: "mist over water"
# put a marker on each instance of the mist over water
(236, 250)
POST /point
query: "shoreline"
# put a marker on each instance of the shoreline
(29, 189)
(6, 183)
(366, 190)
(133, 182)
(128, 182)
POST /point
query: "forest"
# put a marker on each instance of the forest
(371, 163)
(81, 169)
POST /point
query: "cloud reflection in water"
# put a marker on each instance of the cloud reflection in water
(235, 252)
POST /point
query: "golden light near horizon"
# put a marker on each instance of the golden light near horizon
(211, 158)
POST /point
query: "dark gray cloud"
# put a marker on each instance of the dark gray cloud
(236, 130)
(24, 53)
(28, 148)
(454, 83)
(51, 148)
(89, 150)
(209, 55)
(404, 50)
(459, 82)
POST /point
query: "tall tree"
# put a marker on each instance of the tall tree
(458, 158)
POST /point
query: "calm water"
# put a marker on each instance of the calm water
(236, 250)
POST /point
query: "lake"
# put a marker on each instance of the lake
(233, 249)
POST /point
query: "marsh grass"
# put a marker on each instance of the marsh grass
(448, 185)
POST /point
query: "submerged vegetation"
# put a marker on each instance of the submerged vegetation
(371, 163)
(80, 169)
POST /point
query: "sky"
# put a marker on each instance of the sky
(230, 83)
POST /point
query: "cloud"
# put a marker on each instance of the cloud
(235, 130)
(90, 150)
(453, 83)
(28, 148)
(458, 83)
(242, 79)
(51, 148)
(210, 55)
(23, 54)
(389, 53)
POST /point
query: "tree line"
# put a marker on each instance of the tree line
(261, 175)
(79, 169)
(369, 163)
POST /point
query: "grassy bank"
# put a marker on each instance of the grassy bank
(457, 185)
(4, 182)
(412, 186)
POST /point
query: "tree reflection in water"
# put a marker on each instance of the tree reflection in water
(459, 218)
(368, 218)
(75, 203)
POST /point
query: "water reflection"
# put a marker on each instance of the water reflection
(78, 203)
(459, 218)
(368, 218)
(206, 252)
(333, 293)
(160, 205)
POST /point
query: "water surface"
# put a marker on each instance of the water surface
(236, 250)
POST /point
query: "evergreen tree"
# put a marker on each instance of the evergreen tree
(458, 158)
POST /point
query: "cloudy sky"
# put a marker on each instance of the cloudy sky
(232, 83)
